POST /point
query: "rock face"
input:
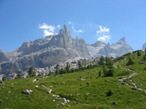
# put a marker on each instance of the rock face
(144, 46)
(3, 57)
(115, 50)
(51, 50)
(45, 52)
(120, 48)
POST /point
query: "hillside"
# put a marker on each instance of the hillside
(84, 89)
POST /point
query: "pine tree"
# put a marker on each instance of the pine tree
(67, 67)
(4, 78)
(109, 62)
(130, 61)
(144, 55)
(57, 69)
(138, 53)
(102, 59)
(99, 73)
(31, 71)
(62, 71)
(79, 64)
(104, 71)
(19, 74)
(145, 51)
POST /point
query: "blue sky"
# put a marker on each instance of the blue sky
(92, 20)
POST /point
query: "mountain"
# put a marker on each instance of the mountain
(115, 50)
(45, 52)
(3, 57)
(95, 48)
(144, 46)
(48, 51)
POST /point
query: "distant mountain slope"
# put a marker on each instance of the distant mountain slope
(144, 46)
(3, 57)
(51, 50)
(46, 52)
(115, 50)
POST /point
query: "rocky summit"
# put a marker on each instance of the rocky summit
(3, 57)
(110, 50)
(144, 46)
(51, 50)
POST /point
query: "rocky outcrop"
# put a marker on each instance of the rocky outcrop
(120, 48)
(81, 47)
(144, 46)
(51, 50)
(114, 50)
(46, 52)
(3, 57)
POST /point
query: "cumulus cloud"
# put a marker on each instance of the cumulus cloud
(102, 29)
(69, 22)
(74, 29)
(78, 31)
(47, 33)
(48, 29)
(103, 34)
(104, 38)
(59, 26)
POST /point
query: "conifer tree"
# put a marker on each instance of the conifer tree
(130, 61)
(31, 71)
(57, 69)
(138, 53)
(102, 59)
(79, 64)
(67, 67)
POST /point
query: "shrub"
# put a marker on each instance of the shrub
(109, 93)
(122, 73)
(31, 72)
(130, 61)
(109, 73)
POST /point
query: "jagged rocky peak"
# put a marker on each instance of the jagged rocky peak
(122, 40)
(144, 46)
(48, 51)
(3, 57)
(98, 43)
(26, 44)
(64, 30)
(1, 51)
(63, 39)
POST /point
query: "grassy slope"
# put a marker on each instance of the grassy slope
(87, 94)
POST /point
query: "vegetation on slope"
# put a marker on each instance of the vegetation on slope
(92, 88)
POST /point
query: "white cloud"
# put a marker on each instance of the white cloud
(102, 29)
(103, 34)
(104, 38)
(47, 33)
(69, 22)
(48, 29)
(73, 28)
(59, 26)
(78, 31)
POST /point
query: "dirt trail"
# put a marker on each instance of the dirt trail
(128, 80)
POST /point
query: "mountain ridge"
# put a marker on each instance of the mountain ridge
(51, 50)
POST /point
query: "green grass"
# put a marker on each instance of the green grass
(88, 94)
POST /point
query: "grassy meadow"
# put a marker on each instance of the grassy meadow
(84, 89)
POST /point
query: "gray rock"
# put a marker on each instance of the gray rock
(27, 91)
(51, 50)
(3, 57)
(114, 50)
(144, 46)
